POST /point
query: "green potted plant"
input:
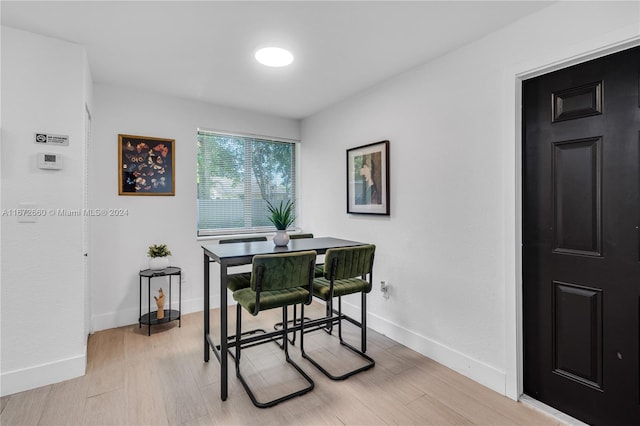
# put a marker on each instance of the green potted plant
(158, 256)
(282, 217)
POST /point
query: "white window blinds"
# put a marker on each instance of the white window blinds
(236, 174)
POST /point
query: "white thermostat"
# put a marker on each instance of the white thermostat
(49, 161)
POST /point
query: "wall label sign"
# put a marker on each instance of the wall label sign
(51, 139)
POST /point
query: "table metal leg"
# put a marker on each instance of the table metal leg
(223, 332)
(206, 308)
(149, 304)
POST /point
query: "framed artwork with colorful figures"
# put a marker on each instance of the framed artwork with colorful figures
(146, 165)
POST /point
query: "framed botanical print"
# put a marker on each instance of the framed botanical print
(368, 179)
(146, 165)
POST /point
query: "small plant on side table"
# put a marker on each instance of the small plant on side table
(158, 256)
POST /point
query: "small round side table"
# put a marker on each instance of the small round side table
(151, 318)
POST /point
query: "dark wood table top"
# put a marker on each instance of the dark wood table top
(242, 253)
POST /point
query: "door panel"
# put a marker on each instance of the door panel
(577, 333)
(577, 102)
(581, 245)
(576, 194)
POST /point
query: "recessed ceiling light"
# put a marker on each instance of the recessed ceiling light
(274, 57)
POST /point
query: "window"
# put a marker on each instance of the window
(236, 174)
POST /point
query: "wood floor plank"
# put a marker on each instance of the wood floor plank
(382, 401)
(433, 412)
(200, 421)
(135, 346)
(395, 385)
(312, 416)
(182, 399)
(456, 399)
(145, 405)
(106, 363)
(238, 409)
(25, 408)
(351, 411)
(66, 403)
(105, 409)
(3, 403)
(105, 347)
(516, 412)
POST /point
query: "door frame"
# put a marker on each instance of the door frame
(514, 383)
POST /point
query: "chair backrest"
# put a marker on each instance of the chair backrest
(348, 262)
(283, 270)
(242, 240)
(296, 236)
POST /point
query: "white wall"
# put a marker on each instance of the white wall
(119, 244)
(449, 248)
(44, 89)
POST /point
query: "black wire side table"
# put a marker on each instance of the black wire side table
(151, 318)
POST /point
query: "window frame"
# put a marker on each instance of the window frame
(256, 230)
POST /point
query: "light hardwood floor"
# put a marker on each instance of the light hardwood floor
(133, 379)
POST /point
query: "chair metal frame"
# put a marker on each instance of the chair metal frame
(335, 317)
(239, 342)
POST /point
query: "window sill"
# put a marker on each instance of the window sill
(260, 234)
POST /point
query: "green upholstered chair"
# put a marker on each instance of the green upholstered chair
(277, 281)
(347, 270)
(239, 280)
(241, 240)
(296, 236)
(319, 271)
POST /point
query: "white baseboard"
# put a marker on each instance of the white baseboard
(41, 375)
(476, 370)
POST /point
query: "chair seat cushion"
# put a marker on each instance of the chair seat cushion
(271, 299)
(321, 287)
(239, 281)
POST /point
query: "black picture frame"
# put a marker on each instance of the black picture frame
(146, 165)
(368, 179)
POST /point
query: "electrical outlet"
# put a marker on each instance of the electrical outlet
(384, 288)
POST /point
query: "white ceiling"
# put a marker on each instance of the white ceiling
(203, 50)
